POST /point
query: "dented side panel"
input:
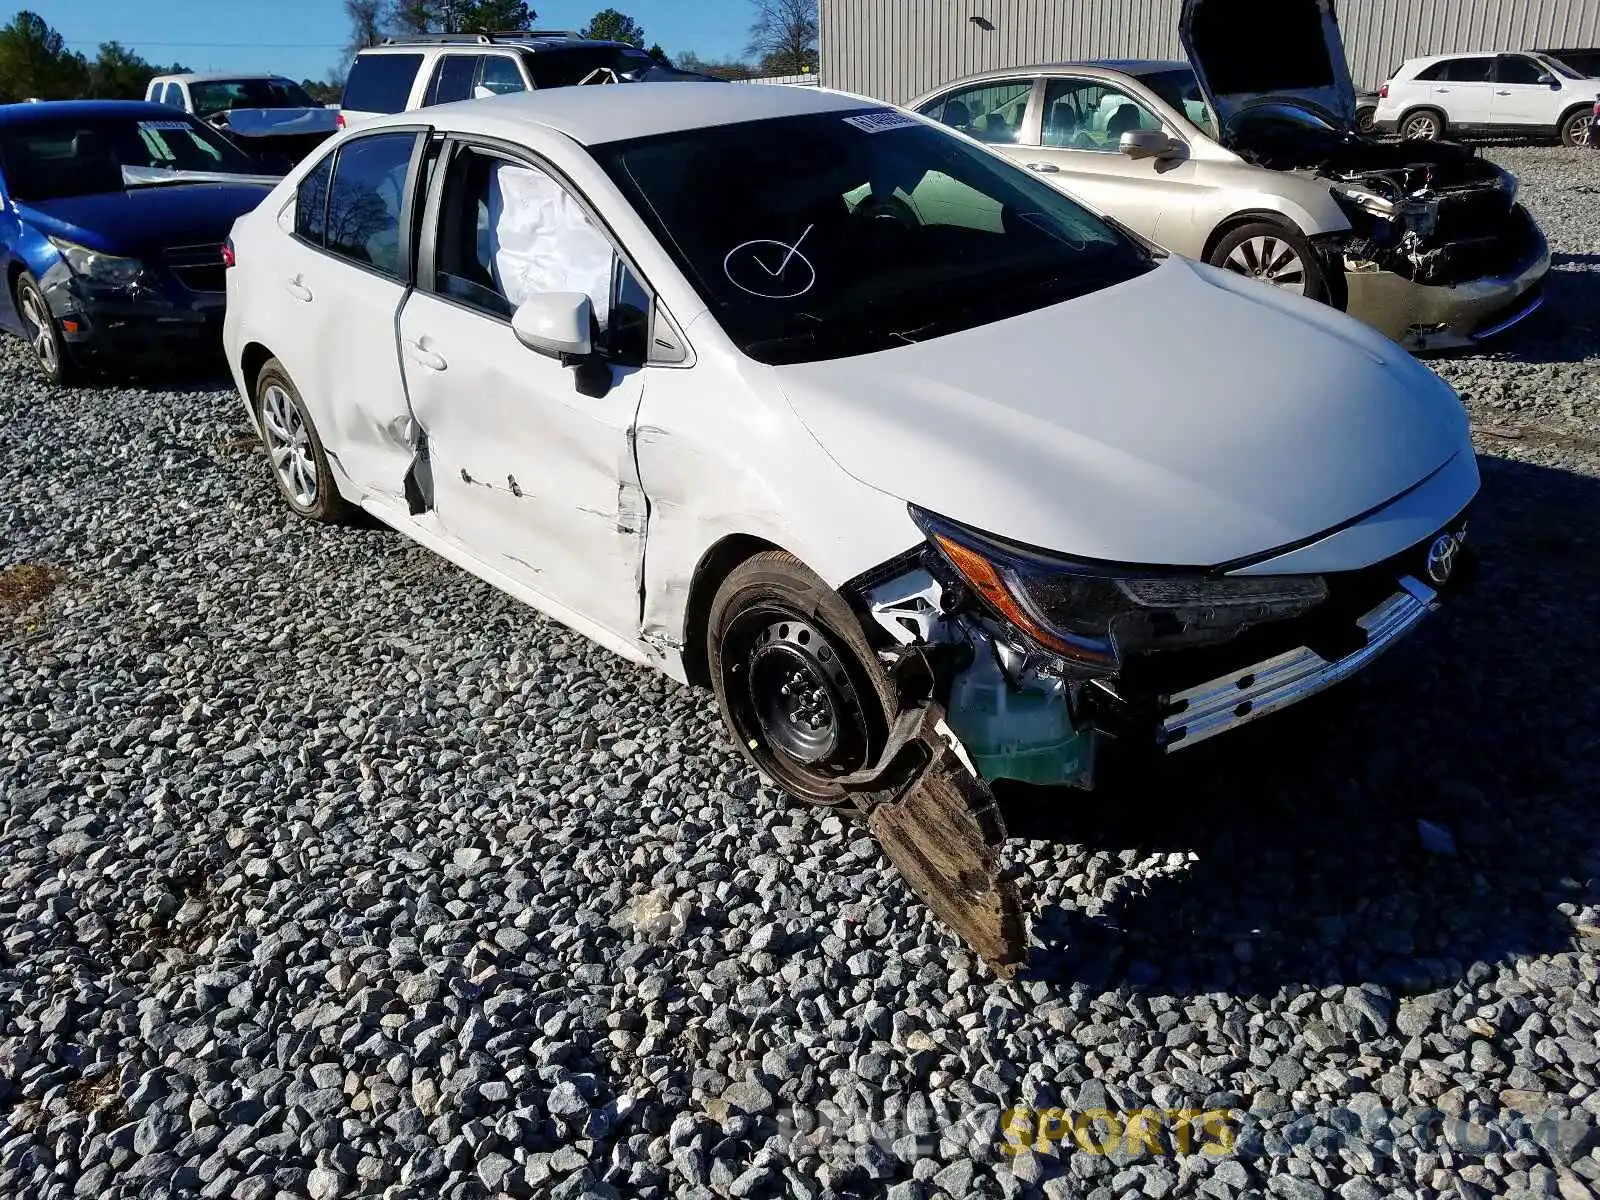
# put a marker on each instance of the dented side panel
(537, 479)
(713, 470)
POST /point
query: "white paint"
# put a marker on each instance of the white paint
(1188, 416)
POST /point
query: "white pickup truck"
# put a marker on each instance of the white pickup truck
(265, 114)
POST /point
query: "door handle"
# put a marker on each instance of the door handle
(1500, 93)
(1044, 168)
(420, 354)
(299, 290)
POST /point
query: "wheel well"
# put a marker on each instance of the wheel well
(1573, 110)
(715, 565)
(1444, 121)
(254, 358)
(1229, 224)
(14, 272)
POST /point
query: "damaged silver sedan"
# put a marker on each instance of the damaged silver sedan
(1248, 157)
(764, 387)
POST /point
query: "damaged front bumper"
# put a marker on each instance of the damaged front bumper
(176, 311)
(1450, 316)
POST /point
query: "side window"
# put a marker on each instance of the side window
(452, 78)
(1514, 68)
(508, 231)
(1085, 114)
(174, 95)
(1438, 70)
(381, 83)
(311, 203)
(1470, 70)
(365, 199)
(500, 76)
(990, 112)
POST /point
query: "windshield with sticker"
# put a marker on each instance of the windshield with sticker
(831, 234)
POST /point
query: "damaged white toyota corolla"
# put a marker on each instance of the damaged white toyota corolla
(934, 476)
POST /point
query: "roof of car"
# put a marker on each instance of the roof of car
(529, 42)
(1136, 67)
(595, 115)
(48, 110)
(216, 76)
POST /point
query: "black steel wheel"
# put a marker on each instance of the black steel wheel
(796, 679)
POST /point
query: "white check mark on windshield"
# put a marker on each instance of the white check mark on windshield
(787, 258)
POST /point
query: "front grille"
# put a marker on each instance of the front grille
(198, 268)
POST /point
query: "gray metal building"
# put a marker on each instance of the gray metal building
(897, 49)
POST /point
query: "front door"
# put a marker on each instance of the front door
(1078, 148)
(338, 285)
(1520, 99)
(528, 475)
(1464, 91)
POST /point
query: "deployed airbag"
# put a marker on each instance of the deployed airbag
(543, 240)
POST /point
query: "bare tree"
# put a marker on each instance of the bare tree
(366, 19)
(783, 37)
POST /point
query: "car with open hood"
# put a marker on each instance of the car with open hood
(1251, 159)
(808, 440)
(113, 217)
(269, 116)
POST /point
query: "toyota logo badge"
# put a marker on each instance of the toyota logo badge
(1442, 558)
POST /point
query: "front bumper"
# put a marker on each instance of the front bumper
(1235, 699)
(1431, 317)
(166, 325)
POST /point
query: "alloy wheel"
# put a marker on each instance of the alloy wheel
(1578, 130)
(40, 332)
(1422, 128)
(289, 446)
(1271, 260)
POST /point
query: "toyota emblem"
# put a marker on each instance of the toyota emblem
(1442, 558)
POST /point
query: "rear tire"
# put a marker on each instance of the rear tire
(1575, 127)
(1365, 116)
(43, 335)
(796, 680)
(294, 449)
(1274, 254)
(1423, 125)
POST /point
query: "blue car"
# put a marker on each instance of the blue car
(114, 217)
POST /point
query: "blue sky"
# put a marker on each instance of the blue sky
(301, 38)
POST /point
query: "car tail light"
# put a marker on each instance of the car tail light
(338, 121)
(229, 259)
(1383, 92)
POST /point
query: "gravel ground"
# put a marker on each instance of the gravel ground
(327, 870)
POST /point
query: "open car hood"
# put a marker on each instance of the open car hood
(1249, 52)
(277, 122)
(1188, 417)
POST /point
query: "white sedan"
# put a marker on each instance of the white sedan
(931, 473)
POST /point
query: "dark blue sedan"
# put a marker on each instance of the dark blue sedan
(113, 221)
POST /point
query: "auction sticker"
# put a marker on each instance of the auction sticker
(877, 122)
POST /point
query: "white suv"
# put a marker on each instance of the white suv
(1487, 92)
(429, 69)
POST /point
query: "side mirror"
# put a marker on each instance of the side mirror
(1148, 143)
(1549, 80)
(556, 324)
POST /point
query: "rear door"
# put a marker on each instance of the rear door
(337, 287)
(1520, 100)
(528, 474)
(1463, 89)
(1081, 127)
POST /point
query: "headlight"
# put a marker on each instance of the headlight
(101, 268)
(1508, 184)
(1094, 615)
(1365, 199)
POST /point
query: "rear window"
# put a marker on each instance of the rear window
(452, 78)
(380, 83)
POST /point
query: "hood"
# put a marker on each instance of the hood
(276, 122)
(1188, 417)
(139, 220)
(1246, 52)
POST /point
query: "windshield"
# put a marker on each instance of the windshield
(224, 95)
(578, 64)
(841, 233)
(1181, 91)
(1561, 68)
(49, 159)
